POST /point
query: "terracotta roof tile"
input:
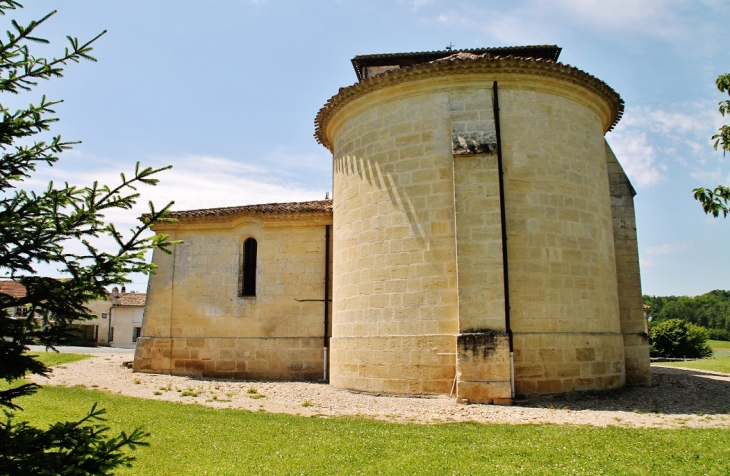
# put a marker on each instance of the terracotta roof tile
(11, 288)
(17, 290)
(316, 206)
(130, 299)
(543, 51)
(362, 62)
(462, 55)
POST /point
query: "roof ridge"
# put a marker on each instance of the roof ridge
(470, 50)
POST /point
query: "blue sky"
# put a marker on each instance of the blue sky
(227, 92)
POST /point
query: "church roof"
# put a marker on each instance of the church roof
(362, 62)
(315, 206)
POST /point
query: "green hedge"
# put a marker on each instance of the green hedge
(678, 339)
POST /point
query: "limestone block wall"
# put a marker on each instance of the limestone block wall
(197, 322)
(483, 365)
(563, 285)
(417, 260)
(633, 322)
(395, 311)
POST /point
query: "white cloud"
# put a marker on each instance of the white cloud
(698, 118)
(665, 249)
(648, 17)
(200, 182)
(507, 27)
(194, 182)
(538, 22)
(204, 182)
(415, 5)
(709, 177)
(638, 158)
(648, 140)
(683, 23)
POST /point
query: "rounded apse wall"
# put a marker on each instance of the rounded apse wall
(397, 279)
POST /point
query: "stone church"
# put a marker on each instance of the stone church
(480, 241)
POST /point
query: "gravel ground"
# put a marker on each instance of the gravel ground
(678, 398)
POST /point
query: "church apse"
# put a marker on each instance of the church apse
(483, 244)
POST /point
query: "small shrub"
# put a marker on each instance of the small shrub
(256, 396)
(307, 403)
(676, 338)
(252, 391)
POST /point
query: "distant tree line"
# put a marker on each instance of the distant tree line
(710, 310)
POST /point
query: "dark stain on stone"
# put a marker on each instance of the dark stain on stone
(479, 342)
(585, 354)
(299, 366)
(469, 143)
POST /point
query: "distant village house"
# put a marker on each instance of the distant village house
(117, 321)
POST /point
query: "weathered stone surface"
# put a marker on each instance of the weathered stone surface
(469, 143)
(633, 323)
(196, 321)
(418, 247)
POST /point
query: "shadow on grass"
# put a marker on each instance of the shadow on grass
(673, 391)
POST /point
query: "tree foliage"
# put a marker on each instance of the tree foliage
(60, 226)
(710, 310)
(715, 201)
(678, 339)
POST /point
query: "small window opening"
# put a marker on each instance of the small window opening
(249, 268)
(136, 334)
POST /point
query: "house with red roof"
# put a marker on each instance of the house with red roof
(117, 322)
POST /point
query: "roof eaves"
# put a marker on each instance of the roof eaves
(538, 66)
(293, 208)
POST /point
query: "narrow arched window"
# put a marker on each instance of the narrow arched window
(249, 268)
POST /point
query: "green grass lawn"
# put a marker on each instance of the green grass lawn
(719, 344)
(720, 362)
(193, 440)
(52, 359)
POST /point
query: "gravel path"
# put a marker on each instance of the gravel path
(678, 398)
